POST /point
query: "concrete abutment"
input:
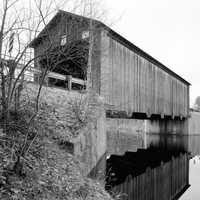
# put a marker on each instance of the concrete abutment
(115, 136)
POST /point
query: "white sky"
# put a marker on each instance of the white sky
(168, 30)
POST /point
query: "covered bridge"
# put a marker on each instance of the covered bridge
(130, 81)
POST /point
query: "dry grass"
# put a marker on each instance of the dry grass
(49, 172)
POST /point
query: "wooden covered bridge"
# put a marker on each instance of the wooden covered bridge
(131, 82)
(137, 83)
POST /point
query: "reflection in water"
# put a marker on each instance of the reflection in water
(190, 143)
(168, 141)
(122, 173)
(136, 163)
(157, 170)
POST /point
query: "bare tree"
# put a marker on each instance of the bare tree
(22, 27)
(19, 111)
(25, 25)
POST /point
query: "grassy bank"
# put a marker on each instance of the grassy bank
(48, 171)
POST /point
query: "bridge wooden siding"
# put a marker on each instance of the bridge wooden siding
(129, 79)
(133, 81)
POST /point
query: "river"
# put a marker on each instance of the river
(183, 142)
(193, 146)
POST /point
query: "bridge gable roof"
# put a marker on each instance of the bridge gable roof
(115, 36)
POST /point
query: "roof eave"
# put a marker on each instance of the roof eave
(143, 53)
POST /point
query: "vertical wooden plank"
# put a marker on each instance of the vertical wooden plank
(147, 81)
(122, 75)
(139, 96)
(140, 85)
(130, 81)
(154, 101)
(126, 79)
(123, 70)
(69, 82)
(149, 89)
(132, 78)
(104, 79)
(136, 85)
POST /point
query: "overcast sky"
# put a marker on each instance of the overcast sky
(169, 30)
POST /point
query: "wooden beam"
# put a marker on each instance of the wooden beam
(69, 82)
(56, 76)
(78, 81)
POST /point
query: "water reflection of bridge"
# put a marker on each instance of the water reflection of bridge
(151, 174)
(167, 180)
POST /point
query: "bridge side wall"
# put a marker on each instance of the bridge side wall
(132, 83)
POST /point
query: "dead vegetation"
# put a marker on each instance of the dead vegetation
(47, 171)
(33, 166)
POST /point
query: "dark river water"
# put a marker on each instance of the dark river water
(192, 143)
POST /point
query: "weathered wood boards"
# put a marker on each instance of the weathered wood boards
(133, 83)
(128, 78)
